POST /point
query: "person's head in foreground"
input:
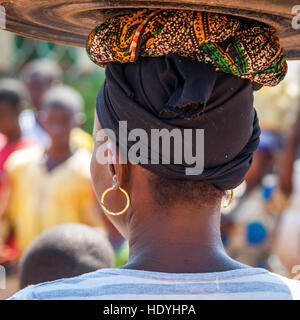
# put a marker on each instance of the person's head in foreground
(170, 210)
(65, 251)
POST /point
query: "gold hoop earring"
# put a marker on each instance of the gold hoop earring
(114, 187)
(230, 200)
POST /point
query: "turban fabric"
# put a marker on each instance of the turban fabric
(173, 92)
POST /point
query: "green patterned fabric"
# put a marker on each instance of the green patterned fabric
(247, 49)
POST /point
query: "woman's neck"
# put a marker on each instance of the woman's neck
(171, 242)
(59, 152)
(56, 156)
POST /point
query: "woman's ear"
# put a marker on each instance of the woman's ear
(120, 170)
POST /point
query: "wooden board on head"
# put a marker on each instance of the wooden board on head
(70, 21)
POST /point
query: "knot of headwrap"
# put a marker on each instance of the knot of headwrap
(244, 48)
(172, 92)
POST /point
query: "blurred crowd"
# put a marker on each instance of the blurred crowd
(44, 163)
(262, 226)
(50, 223)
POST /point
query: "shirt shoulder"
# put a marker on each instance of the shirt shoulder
(21, 158)
(118, 283)
(24, 294)
(81, 139)
(62, 288)
(292, 284)
(80, 163)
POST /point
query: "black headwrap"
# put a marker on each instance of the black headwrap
(173, 92)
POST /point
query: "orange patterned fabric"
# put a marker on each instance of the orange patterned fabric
(248, 49)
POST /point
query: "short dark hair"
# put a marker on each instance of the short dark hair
(13, 91)
(11, 97)
(166, 190)
(65, 251)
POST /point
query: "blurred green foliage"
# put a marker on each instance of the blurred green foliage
(88, 86)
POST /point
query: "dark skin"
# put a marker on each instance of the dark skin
(262, 161)
(9, 124)
(114, 235)
(37, 85)
(179, 238)
(58, 123)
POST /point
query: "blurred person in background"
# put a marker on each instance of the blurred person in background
(287, 244)
(255, 218)
(265, 159)
(12, 95)
(39, 76)
(250, 236)
(65, 251)
(285, 200)
(49, 186)
(277, 110)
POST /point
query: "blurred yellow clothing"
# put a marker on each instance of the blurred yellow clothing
(80, 138)
(40, 199)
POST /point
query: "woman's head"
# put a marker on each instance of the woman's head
(168, 112)
(197, 111)
(148, 191)
(177, 109)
